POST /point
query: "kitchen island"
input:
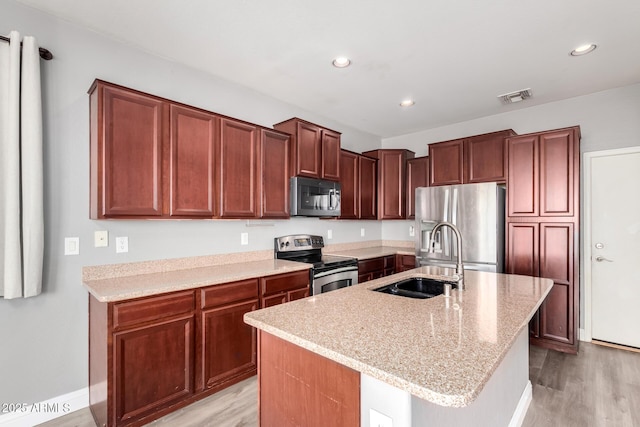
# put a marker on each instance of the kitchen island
(352, 356)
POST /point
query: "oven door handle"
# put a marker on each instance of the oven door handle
(335, 271)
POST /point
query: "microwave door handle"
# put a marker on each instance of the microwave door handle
(332, 193)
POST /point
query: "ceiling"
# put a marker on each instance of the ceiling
(452, 57)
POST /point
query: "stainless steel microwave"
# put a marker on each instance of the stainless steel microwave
(314, 197)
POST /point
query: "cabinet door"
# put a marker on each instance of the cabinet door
(308, 150)
(238, 160)
(405, 262)
(298, 294)
(130, 161)
(557, 157)
(557, 263)
(272, 300)
(367, 188)
(274, 157)
(523, 176)
(330, 155)
(391, 184)
(192, 162)
(349, 172)
(417, 176)
(484, 159)
(446, 163)
(228, 344)
(153, 367)
(523, 248)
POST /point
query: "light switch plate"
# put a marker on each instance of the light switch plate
(329, 234)
(362, 232)
(71, 245)
(101, 238)
(412, 231)
(244, 238)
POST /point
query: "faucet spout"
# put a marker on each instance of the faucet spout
(459, 266)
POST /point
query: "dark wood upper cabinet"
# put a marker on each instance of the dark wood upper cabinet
(446, 163)
(315, 151)
(391, 181)
(349, 178)
(274, 172)
(192, 162)
(238, 165)
(330, 155)
(367, 186)
(126, 153)
(417, 176)
(543, 170)
(474, 159)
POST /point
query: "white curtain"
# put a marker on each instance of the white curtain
(21, 198)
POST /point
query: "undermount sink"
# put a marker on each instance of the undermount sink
(416, 287)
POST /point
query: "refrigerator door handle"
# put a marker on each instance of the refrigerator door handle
(454, 213)
(445, 233)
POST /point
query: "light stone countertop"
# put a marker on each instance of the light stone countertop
(141, 285)
(372, 252)
(443, 350)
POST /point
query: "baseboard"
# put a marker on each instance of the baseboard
(523, 405)
(30, 414)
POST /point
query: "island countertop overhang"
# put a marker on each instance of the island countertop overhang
(442, 350)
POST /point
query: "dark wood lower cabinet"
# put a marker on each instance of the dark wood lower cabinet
(375, 268)
(405, 262)
(150, 356)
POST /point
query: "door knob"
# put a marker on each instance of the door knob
(601, 258)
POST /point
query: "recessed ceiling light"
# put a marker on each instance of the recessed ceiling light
(341, 62)
(407, 103)
(583, 50)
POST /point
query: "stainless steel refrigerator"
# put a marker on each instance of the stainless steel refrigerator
(478, 212)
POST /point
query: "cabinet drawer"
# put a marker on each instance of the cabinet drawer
(389, 261)
(229, 292)
(138, 311)
(284, 282)
(370, 265)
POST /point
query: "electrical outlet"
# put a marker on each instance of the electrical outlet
(244, 238)
(71, 245)
(412, 231)
(376, 419)
(329, 234)
(362, 232)
(101, 239)
(122, 244)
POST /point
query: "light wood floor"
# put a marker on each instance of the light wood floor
(599, 387)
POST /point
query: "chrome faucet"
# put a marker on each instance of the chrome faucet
(459, 266)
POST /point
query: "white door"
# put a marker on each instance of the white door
(614, 208)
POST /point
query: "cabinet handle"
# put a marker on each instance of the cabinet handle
(601, 258)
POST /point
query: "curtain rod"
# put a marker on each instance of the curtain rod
(44, 53)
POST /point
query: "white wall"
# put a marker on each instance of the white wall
(43, 340)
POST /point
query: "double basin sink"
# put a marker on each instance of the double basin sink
(417, 287)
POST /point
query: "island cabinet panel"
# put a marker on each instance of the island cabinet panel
(300, 388)
(126, 153)
(238, 168)
(367, 187)
(392, 179)
(192, 162)
(446, 163)
(350, 193)
(274, 172)
(228, 345)
(281, 288)
(543, 223)
(417, 176)
(315, 150)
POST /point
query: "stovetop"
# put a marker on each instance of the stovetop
(308, 248)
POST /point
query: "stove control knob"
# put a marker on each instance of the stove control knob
(287, 244)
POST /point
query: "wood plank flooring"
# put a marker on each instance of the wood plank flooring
(598, 387)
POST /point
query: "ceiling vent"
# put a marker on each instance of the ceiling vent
(517, 96)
